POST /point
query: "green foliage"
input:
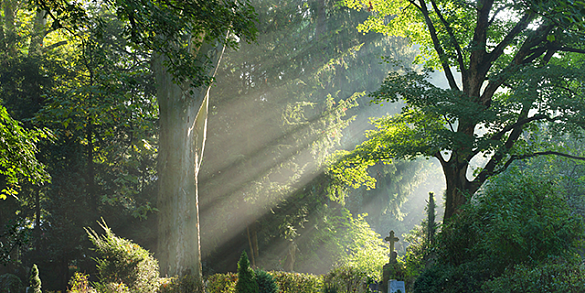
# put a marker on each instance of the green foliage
(265, 281)
(298, 283)
(184, 284)
(112, 287)
(165, 29)
(360, 249)
(34, 281)
(491, 106)
(10, 283)
(222, 283)
(552, 275)
(123, 265)
(285, 281)
(515, 225)
(79, 283)
(346, 279)
(18, 148)
(246, 277)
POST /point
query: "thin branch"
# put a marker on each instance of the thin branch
(452, 37)
(438, 48)
(491, 21)
(538, 36)
(567, 49)
(498, 136)
(547, 153)
(518, 28)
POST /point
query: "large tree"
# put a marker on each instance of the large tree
(186, 40)
(518, 66)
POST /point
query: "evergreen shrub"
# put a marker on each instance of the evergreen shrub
(265, 281)
(246, 277)
(122, 263)
(34, 281)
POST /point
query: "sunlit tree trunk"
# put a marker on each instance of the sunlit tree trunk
(183, 123)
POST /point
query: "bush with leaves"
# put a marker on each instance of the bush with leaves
(517, 220)
(553, 275)
(346, 279)
(79, 283)
(222, 283)
(122, 263)
(246, 277)
(185, 284)
(298, 283)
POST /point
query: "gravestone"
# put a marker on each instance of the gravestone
(396, 286)
(388, 268)
(392, 239)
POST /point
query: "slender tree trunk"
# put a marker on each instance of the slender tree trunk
(183, 124)
(90, 176)
(252, 255)
(37, 229)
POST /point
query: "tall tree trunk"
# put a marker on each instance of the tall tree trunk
(183, 124)
(458, 186)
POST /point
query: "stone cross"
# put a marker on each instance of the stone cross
(392, 239)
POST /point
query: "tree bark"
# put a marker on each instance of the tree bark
(183, 124)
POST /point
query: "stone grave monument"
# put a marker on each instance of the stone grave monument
(391, 286)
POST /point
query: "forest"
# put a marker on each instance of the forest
(251, 146)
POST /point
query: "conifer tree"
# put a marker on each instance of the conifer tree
(34, 281)
(431, 225)
(246, 276)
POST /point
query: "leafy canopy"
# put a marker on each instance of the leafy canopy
(511, 67)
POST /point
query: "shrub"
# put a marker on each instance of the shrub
(34, 281)
(112, 287)
(121, 261)
(10, 283)
(246, 277)
(79, 284)
(554, 276)
(516, 221)
(346, 279)
(266, 283)
(222, 283)
(298, 283)
(185, 284)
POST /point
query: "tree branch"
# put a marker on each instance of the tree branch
(547, 153)
(538, 36)
(498, 136)
(438, 48)
(452, 38)
(518, 28)
(526, 156)
(566, 49)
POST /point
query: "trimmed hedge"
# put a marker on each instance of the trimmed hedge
(287, 282)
